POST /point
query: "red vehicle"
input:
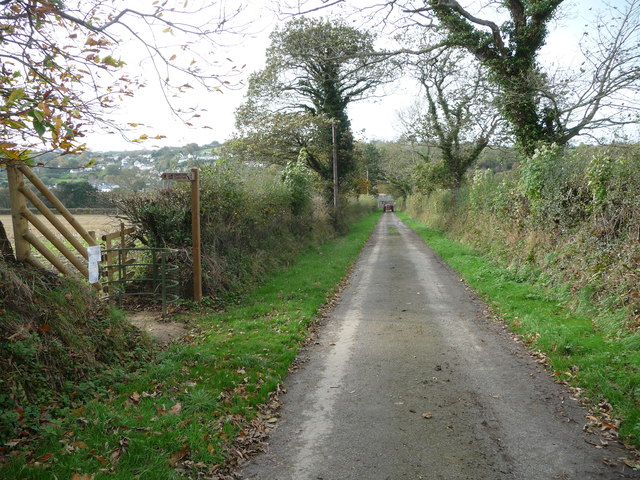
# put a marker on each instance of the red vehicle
(388, 207)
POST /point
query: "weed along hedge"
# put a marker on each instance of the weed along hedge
(181, 414)
(251, 221)
(603, 369)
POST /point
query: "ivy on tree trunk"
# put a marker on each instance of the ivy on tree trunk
(510, 53)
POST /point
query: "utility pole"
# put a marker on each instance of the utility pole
(367, 181)
(195, 235)
(335, 170)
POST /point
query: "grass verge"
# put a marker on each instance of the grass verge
(604, 369)
(203, 395)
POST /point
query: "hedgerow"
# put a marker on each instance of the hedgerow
(253, 219)
(569, 216)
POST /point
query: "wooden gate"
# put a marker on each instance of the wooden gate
(113, 242)
(22, 217)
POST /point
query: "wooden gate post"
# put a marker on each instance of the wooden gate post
(195, 235)
(18, 207)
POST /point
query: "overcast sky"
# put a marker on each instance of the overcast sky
(371, 119)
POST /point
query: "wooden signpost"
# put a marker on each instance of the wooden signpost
(194, 178)
(178, 176)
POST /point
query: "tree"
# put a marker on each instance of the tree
(459, 117)
(399, 163)
(79, 194)
(540, 108)
(314, 70)
(506, 37)
(60, 71)
(277, 137)
(368, 168)
(510, 53)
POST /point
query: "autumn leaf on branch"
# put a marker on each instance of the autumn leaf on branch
(62, 72)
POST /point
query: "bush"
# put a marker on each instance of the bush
(298, 180)
(430, 176)
(611, 179)
(570, 215)
(252, 220)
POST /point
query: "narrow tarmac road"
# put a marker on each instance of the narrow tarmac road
(410, 379)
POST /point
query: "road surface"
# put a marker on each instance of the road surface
(411, 379)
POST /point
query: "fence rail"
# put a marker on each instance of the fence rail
(129, 271)
(75, 211)
(22, 218)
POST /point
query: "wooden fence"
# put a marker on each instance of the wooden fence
(22, 217)
(113, 242)
(85, 259)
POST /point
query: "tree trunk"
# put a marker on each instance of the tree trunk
(6, 249)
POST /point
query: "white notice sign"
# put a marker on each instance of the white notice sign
(94, 255)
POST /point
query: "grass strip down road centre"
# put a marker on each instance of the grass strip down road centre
(604, 370)
(205, 394)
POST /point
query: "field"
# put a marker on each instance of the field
(101, 224)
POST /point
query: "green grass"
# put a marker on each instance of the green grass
(606, 367)
(180, 415)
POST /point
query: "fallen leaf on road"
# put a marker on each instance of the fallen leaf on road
(608, 462)
(427, 415)
(630, 463)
